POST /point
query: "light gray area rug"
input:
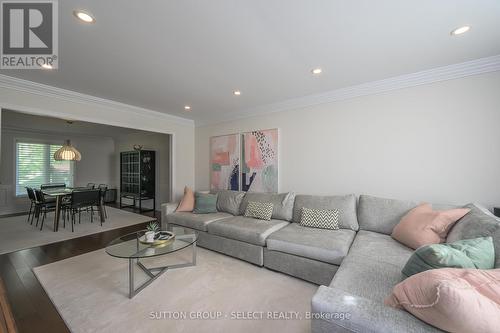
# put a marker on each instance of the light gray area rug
(17, 234)
(219, 294)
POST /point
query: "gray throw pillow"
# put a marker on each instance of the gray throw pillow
(479, 222)
(346, 204)
(320, 218)
(259, 210)
(229, 201)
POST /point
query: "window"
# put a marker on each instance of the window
(35, 165)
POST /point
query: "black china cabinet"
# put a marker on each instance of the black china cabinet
(137, 178)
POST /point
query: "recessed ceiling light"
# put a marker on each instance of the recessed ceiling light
(187, 108)
(47, 66)
(84, 16)
(316, 71)
(461, 30)
(237, 93)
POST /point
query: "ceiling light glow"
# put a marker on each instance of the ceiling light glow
(316, 71)
(461, 30)
(84, 16)
(187, 108)
(237, 93)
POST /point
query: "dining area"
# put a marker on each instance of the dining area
(72, 205)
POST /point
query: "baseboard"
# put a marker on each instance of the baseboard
(13, 214)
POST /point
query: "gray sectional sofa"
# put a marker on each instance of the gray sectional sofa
(356, 266)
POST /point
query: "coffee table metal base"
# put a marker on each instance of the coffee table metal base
(151, 272)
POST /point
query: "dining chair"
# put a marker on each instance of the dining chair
(82, 200)
(91, 185)
(42, 207)
(103, 189)
(50, 186)
(31, 197)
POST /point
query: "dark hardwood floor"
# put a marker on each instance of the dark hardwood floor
(32, 308)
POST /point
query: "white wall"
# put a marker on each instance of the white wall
(35, 99)
(160, 143)
(99, 169)
(438, 142)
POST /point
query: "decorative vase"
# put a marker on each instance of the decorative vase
(150, 236)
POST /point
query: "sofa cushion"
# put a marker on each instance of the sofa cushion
(283, 203)
(380, 248)
(423, 226)
(246, 229)
(372, 267)
(348, 313)
(329, 246)
(477, 253)
(346, 204)
(195, 221)
(381, 215)
(229, 201)
(479, 222)
(455, 300)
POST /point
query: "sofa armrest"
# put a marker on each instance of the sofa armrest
(166, 209)
(335, 310)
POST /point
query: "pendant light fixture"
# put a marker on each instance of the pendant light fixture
(67, 153)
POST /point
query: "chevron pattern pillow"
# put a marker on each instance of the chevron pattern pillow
(259, 210)
(320, 218)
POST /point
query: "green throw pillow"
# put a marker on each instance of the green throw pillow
(468, 253)
(205, 203)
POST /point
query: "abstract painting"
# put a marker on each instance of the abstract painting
(260, 161)
(225, 162)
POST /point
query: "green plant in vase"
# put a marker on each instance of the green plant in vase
(152, 229)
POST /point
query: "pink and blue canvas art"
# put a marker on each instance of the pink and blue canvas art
(225, 162)
(260, 161)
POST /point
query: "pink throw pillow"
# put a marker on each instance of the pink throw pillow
(452, 299)
(423, 226)
(187, 202)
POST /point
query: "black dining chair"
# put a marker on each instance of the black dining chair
(51, 186)
(82, 200)
(31, 196)
(91, 186)
(42, 207)
(103, 189)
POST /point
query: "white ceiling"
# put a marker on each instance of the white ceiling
(162, 55)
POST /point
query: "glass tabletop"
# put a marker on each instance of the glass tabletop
(129, 246)
(64, 190)
(57, 191)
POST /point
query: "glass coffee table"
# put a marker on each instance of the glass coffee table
(129, 247)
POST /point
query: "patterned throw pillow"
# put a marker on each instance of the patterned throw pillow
(320, 218)
(259, 210)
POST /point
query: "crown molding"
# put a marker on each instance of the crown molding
(31, 87)
(22, 130)
(450, 72)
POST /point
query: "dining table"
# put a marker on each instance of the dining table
(61, 192)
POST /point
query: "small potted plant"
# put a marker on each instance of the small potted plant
(152, 229)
